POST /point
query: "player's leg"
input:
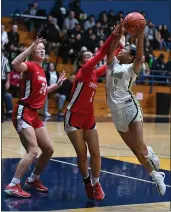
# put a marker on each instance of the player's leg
(92, 140)
(76, 137)
(45, 145)
(29, 141)
(133, 126)
(134, 140)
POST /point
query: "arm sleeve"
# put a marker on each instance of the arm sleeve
(100, 71)
(87, 69)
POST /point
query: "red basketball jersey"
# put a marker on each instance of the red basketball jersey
(84, 89)
(33, 86)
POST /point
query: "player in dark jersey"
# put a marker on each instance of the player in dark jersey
(25, 118)
(79, 121)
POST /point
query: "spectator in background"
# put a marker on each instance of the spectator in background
(52, 77)
(66, 46)
(12, 53)
(111, 17)
(145, 71)
(13, 36)
(75, 6)
(77, 30)
(5, 81)
(4, 36)
(165, 34)
(89, 23)
(118, 17)
(15, 83)
(150, 34)
(159, 40)
(51, 33)
(75, 47)
(32, 10)
(160, 65)
(63, 93)
(69, 22)
(104, 21)
(92, 42)
(61, 17)
(96, 28)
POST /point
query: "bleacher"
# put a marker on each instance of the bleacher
(100, 105)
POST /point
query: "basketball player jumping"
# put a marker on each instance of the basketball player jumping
(126, 112)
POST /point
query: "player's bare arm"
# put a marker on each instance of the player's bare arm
(140, 50)
(118, 31)
(18, 63)
(61, 79)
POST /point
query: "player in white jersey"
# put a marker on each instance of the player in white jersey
(126, 112)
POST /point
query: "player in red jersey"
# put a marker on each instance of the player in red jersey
(79, 121)
(25, 118)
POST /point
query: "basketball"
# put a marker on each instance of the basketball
(132, 20)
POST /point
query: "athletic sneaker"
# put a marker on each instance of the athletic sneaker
(16, 191)
(89, 190)
(36, 184)
(98, 192)
(153, 159)
(158, 179)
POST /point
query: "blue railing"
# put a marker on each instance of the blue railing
(157, 77)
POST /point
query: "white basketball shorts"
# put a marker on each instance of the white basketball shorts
(123, 117)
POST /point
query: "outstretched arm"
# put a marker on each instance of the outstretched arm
(89, 66)
(62, 78)
(140, 50)
(119, 29)
(100, 71)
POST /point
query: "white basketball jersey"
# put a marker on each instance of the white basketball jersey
(119, 79)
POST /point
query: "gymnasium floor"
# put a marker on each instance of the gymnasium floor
(125, 182)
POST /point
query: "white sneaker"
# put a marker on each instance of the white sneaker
(47, 114)
(153, 159)
(158, 179)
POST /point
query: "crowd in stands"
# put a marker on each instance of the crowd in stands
(69, 30)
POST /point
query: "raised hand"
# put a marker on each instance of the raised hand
(140, 31)
(61, 79)
(119, 28)
(36, 42)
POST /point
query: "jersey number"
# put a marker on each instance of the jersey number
(43, 88)
(91, 99)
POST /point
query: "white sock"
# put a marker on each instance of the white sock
(33, 177)
(15, 181)
(153, 174)
(95, 180)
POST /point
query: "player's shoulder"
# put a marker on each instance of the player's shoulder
(127, 67)
(29, 64)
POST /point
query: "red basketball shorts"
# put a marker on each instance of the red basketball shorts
(24, 117)
(74, 121)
